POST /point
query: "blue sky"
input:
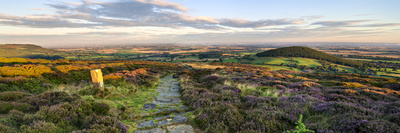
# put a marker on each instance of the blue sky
(91, 22)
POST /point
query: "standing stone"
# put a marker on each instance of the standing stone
(97, 78)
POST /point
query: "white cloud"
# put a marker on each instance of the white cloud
(129, 13)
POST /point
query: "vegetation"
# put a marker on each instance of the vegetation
(245, 98)
(268, 94)
(28, 51)
(56, 96)
(301, 128)
(298, 51)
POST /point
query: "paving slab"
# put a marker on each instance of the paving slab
(149, 106)
(150, 123)
(166, 102)
(183, 128)
(164, 122)
(155, 130)
(180, 119)
(169, 94)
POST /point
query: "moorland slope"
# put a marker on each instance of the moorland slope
(26, 51)
(299, 51)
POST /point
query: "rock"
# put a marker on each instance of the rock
(149, 106)
(160, 118)
(147, 124)
(183, 128)
(163, 103)
(183, 107)
(155, 130)
(175, 83)
(164, 122)
(176, 89)
(163, 99)
(171, 109)
(162, 89)
(181, 113)
(157, 112)
(169, 94)
(180, 119)
(144, 114)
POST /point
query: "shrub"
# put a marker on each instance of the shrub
(352, 123)
(17, 79)
(212, 80)
(58, 113)
(7, 106)
(15, 118)
(103, 124)
(353, 84)
(67, 68)
(6, 129)
(301, 128)
(39, 127)
(12, 95)
(113, 76)
(101, 108)
(392, 108)
(394, 118)
(25, 70)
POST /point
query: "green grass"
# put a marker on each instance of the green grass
(247, 53)
(192, 57)
(230, 61)
(279, 60)
(276, 68)
(347, 68)
(393, 61)
(307, 62)
(122, 96)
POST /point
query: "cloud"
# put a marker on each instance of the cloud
(99, 33)
(354, 23)
(40, 21)
(38, 8)
(364, 14)
(241, 23)
(381, 25)
(340, 23)
(130, 13)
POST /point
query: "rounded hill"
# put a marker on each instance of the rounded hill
(299, 51)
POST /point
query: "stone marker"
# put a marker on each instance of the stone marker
(97, 78)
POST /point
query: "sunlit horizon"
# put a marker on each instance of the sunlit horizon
(121, 22)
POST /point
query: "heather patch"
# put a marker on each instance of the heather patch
(244, 102)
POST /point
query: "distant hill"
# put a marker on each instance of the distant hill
(299, 51)
(28, 51)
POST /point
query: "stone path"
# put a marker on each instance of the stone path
(165, 113)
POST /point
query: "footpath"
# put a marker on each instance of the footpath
(165, 114)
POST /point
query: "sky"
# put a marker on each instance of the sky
(113, 22)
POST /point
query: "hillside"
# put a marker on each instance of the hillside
(40, 95)
(27, 51)
(298, 51)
